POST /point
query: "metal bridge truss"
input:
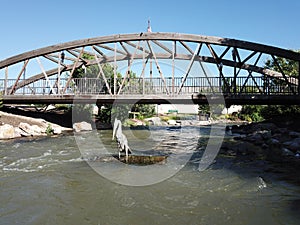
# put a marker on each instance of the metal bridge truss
(149, 67)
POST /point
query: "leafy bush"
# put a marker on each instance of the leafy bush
(251, 113)
(273, 111)
(164, 118)
(49, 129)
(62, 107)
(129, 123)
(174, 117)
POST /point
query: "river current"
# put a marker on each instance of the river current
(49, 181)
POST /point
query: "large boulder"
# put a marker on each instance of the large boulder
(287, 152)
(32, 130)
(57, 129)
(82, 126)
(293, 145)
(172, 122)
(7, 131)
(37, 130)
(294, 134)
(156, 121)
(20, 133)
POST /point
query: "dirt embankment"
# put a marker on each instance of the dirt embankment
(57, 117)
(16, 123)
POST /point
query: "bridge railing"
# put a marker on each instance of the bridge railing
(151, 86)
(211, 85)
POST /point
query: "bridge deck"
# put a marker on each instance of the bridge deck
(153, 99)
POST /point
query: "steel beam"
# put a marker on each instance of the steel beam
(152, 36)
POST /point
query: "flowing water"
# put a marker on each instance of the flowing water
(47, 181)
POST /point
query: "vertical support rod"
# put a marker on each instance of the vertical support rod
(115, 70)
(102, 73)
(45, 75)
(143, 74)
(24, 73)
(151, 83)
(173, 67)
(298, 77)
(234, 73)
(151, 69)
(58, 75)
(5, 83)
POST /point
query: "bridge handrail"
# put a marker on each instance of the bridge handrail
(211, 85)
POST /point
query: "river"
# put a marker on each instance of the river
(48, 181)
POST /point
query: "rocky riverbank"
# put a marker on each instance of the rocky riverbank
(273, 140)
(275, 145)
(17, 126)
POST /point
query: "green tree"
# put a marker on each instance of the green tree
(203, 109)
(289, 67)
(252, 113)
(273, 111)
(120, 111)
(105, 110)
(258, 113)
(90, 71)
(213, 111)
(144, 109)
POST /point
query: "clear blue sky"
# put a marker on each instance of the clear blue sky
(30, 24)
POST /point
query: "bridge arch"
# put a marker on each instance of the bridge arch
(221, 52)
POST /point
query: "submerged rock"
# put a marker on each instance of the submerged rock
(287, 152)
(293, 145)
(82, 126)
(141, 160)
(294, 134)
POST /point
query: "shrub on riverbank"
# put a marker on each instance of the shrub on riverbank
(258, 113)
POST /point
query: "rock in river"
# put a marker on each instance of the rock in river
(7, 131)
(82, 126)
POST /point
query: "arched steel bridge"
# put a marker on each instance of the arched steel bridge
(151, 68)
